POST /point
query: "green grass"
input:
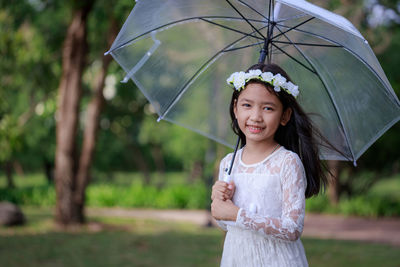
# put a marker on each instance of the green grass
(108, 241)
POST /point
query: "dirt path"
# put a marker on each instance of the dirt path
(383, 230)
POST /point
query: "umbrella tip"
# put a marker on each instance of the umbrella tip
(355, 163)
(125, 80)
(106, 53)
(159, 119)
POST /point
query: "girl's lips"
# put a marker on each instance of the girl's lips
(254, 129)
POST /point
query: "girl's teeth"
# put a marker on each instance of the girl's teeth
(255, 129)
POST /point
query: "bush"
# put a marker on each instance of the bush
(364, 205)
(129, 191)
(36, 196)
(370, 206)
(177, 196)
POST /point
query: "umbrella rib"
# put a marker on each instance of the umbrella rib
(251, 25)
(270, 31)
(327, 90)
(176, 22)
(292, 28)
(242, 47)
(259, 13)
(255, 10)
(311, 70)
(314, 34)
(308, 44)
(232, 29)
(183, 89)
(290, 18)
(349, 50)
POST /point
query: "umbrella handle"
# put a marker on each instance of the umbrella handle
(227, 178)
(234, 155)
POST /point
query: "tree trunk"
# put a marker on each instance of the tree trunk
(158, 158)
(334, 185)
(18, 168)
(140, 162)
(69, 94)
(91, 129)
(48, 170)
(9, 174)
(197, 171)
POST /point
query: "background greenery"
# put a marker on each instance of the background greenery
(127, 190)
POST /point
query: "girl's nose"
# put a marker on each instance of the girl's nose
(256, 115)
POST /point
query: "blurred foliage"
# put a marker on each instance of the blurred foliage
(131, 192)
(127, 190)
(361, 205)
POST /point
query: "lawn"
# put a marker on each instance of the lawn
(109, 241)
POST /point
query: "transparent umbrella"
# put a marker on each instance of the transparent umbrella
(180, 53)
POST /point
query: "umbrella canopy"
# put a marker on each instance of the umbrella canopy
(180, 53)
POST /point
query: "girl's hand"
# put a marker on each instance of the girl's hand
(224, 210)
(222, 190)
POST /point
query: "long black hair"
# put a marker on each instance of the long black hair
(298, 135)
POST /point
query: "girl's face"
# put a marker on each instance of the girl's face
(259, 113)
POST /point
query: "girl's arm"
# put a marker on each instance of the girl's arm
(290, 225)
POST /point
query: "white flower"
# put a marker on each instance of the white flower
(267, 76)
(295, 91)
(277, 89)
(230, 79)
(288, 86)
(291, 88)
(279, 80)
(253, 74)
(239, 80)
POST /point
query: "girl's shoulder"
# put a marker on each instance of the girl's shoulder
(292, 164)
(289, 157)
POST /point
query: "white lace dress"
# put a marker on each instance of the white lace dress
(270, 195)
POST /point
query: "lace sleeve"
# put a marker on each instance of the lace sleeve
(222, 166)
(290, 225)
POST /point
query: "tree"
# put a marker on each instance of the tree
(74, 54)
(29, 73)
(92, 125)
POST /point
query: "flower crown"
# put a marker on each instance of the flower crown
(239, 80)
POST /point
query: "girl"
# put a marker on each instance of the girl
(274, 171)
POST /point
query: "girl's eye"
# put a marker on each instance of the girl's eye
(246, 105)
(267, 108)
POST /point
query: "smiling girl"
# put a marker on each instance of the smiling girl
(274, 171)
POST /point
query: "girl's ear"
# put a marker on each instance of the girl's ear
(286, 116)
